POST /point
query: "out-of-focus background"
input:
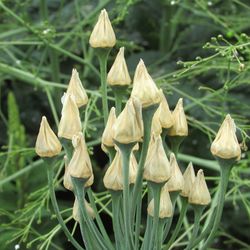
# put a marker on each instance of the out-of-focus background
(198, 50)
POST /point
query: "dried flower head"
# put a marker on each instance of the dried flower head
(180, 127)
(47, 144)
(103, 35)
(144, 88)
(118, 74)
(225, 144)
(199, 193)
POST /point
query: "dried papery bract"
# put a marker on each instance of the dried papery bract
(199, 193)
(76, 89)
(113, 178)
(156, 128)
(70, 123)
(80, 164)
(157, 166)
(180, 126)
(189, 178)
(107, 136)
(118, 74)
(67, 182)
(144, 88)
(76, 210)
(176, 181)
(47, 144)
(166, 208)
(128, 127)
(165, 115)
(225, 144)
(103, 35)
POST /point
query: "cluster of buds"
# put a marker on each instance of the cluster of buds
(125, 132)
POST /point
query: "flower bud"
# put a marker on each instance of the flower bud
(157, 167)
(76, 89)
(156, 128)
(166, 208)
(180, 127)
(113, 178)
(107, 136)
(118, 74)
(103, 35)
(70, 123)
(67, 182)
(80, 164)
(144, 88)
(76, 210)
(47, 144)
(199, 193)
(225, 144)
(128, 127)
(189, 178)
(165, 114)
(176, 181)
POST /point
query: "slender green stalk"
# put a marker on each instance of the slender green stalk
(79, 192)
(156, 189)
(56, 208)
(146, 239)
(115, 195)
(226, 166)
(159, 234)
(179, 222)
(198, 210)
(126, 151)
(118, 103)
(167, 226)
(147, 115)
(175, 144)
(103, 57)
(98, 219)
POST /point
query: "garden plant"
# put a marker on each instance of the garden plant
(134, 160)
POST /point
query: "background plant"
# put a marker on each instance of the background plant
(198, 50)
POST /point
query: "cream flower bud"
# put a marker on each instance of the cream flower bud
(176, 181)
(156, 128)
(76, 210)
(118, 74)
(80, 164)
(67, 182)
(157, 167)
(76, 89)
(166, 208)
(189, 178)
(164, 112)
(128, 127)
(225, 144)
(70, 123)
(113, 178)
(103, 35)
(180, 126)
(107, 136)
(47, 144)
(144, 88)
(199, 193)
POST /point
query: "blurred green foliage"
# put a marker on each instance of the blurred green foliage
(198, 50)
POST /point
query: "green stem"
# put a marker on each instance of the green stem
(159, 234)
(126, 151)
(198, 210)
(119, 92)
(175, 143)
(98, 219)
(115, 195)
(179, 222)
(156, 189)
(103, 57)
(167, 226)
(79, 192)
(146, 239)
(147, 115)
(56, 208)
(225, 173)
